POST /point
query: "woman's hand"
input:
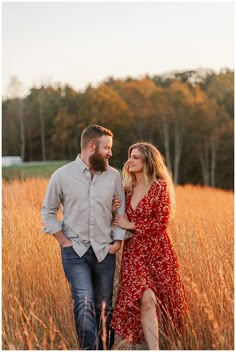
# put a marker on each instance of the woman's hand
(116, 203)
(123, 222)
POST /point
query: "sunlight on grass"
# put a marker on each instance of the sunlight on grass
(36, 301)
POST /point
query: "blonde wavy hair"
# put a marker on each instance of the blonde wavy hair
(154, 170)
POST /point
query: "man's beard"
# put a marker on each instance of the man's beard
(98, 162)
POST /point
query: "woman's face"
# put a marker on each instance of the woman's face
(135, 162)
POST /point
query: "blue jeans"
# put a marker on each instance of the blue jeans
(91, 284)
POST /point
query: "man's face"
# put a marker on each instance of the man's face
(99, 159)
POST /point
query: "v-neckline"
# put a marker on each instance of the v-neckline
(134, 209)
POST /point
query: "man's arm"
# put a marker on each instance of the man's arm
(62, 239)
(51, 204)
(118, 233)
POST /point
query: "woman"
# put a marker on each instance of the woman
(150, 285)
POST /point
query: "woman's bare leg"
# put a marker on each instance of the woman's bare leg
(147, 304)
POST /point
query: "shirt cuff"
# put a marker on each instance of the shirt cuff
(118, 234)
(50, 230)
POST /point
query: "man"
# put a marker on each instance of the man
(85, 188)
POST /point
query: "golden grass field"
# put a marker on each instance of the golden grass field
(36, 302)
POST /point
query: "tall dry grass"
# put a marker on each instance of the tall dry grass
(36, 302)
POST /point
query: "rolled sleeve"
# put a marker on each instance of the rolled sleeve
(50, 207)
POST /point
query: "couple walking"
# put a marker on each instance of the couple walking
(98, 214)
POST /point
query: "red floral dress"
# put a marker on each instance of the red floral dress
(148, 261)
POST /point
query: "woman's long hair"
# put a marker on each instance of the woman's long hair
(154, 170)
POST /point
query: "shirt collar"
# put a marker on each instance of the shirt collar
(83, 167)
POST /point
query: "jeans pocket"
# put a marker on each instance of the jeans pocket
(69, 257)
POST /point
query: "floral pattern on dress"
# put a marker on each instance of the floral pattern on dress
(148, 261)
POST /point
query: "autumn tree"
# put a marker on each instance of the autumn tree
(208, 127)
(181, 102)
(137, 95)
(101, 105)
(109, 109)
(188, 115)
(68, 124)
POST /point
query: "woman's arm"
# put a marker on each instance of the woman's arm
(124, 223)
(157, 223)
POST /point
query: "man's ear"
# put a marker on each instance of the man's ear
(91, 146)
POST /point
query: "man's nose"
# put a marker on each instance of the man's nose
(109, 153)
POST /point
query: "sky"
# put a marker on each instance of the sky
(81, 43)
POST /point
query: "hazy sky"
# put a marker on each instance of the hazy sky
(85, 42)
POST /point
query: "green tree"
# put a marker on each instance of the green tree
(17, 107)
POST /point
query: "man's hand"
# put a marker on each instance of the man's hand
(113, 248)
(62, 239)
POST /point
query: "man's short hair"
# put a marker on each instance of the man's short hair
(92, 133)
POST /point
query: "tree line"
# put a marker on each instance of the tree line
(188, 115)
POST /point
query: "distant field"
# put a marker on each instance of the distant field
(31, 169)
(36, 302)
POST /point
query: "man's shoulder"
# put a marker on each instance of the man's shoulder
(64, 169)
(113, 171)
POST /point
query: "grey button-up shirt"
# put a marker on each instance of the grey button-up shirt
(87, 207)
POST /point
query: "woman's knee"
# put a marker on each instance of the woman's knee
(148, 300)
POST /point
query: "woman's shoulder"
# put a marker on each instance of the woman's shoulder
(160, 184)
(160, 191)
(159, 188)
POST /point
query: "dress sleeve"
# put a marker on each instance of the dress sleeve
(159, 213)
